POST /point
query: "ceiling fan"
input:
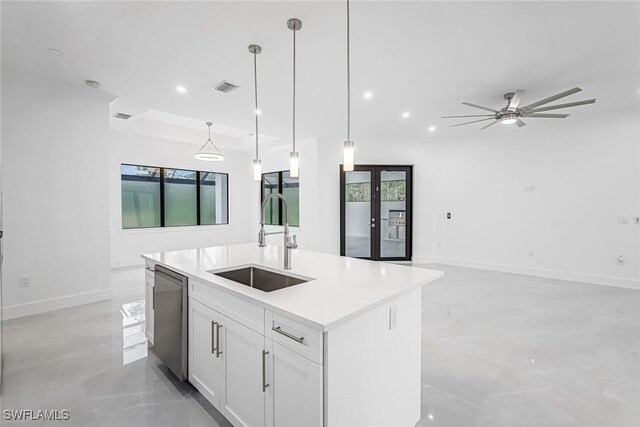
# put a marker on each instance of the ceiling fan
(513, 113)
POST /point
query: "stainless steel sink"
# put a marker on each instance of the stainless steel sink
(265, 280)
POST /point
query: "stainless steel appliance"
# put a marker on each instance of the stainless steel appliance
(397, 224)
(170, 320)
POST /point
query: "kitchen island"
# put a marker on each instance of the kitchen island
(343, 348)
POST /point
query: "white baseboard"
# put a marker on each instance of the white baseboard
(42, 306)
(620, 282)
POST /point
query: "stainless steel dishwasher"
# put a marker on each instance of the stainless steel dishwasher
(170, 320)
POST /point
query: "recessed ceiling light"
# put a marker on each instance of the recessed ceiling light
(258, 111)
(368, 95)
(181, 89)
(54, 51)
(406, 115)
(432, 128)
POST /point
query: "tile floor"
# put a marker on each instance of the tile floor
(498, 350)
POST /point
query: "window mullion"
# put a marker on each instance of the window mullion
(198, 220)
(161, 197)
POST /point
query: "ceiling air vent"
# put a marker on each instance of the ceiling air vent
(224, 86)
(122, 116)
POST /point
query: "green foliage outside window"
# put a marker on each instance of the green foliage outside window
(390, 191)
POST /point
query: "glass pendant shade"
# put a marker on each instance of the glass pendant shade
(257, 170)
(294, 169)
(347, 164)
(508, 119)
(209, 152)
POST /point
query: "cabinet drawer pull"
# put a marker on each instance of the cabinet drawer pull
(213, 336)
(218, 352)
(264, 371)
(287, 334)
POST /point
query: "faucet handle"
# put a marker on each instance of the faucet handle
(295, 242)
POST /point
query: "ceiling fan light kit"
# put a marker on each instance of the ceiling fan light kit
(512, 113)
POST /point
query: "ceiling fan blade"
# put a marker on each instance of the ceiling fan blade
(552, 98)
(480, 106)
(490, 124)
(475, 121)
(547, 116)
(520, 123)
(569, 104)
(515, 101)
(477, 115)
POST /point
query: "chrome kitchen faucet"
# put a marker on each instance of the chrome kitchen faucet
(288, 242)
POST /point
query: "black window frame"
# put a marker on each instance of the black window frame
(280, 187)
(200, 176)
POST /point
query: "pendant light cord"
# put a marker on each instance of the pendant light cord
(294, 90)
(255, 80)
(348, 78)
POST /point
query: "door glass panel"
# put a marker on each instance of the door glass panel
(358, 214)
(393, 212)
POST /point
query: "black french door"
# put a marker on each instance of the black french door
(376, 212)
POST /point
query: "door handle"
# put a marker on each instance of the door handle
(153, 302)
(213, 336)
(218, 352)
(264, 371)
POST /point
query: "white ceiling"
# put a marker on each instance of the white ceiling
(422, 57)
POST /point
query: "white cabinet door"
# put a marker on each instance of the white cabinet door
(148, 304)
(242, 398)
(294, 395)
(205, 360)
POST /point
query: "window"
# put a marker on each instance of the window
(281, 182)
(213, 198)
(140, 196)
(180, 201)
(166, 197)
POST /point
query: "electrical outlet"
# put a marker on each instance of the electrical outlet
(529, 188)
(393, 316)
(25, 281)
(620, 259)
(636, 220)
(623, 220)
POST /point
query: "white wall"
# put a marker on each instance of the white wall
(127, 245)
(56, 215)
(584, 178)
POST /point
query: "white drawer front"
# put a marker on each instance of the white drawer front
(243, 312)
(295, 336)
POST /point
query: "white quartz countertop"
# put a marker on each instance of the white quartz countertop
(342, 287)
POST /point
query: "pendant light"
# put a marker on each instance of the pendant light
(209, 152)
(347, 164)
(257, 163)
(294, 25)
